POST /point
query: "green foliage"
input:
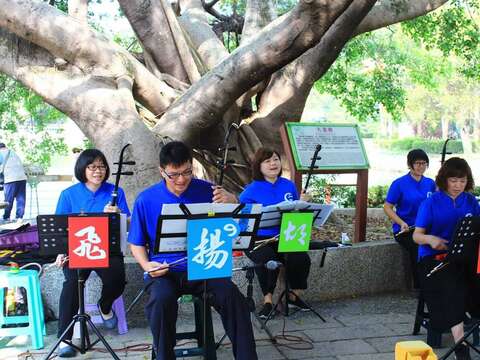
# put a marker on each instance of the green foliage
(377, 195)
(433, 146)
(27, 124)
(454, 30)
(368, 73)
(344, 196)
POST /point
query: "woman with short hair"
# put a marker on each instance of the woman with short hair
(269, 188)
(447, 291)
(403, 200)
(92, 194)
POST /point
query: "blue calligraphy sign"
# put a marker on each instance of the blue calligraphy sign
(209, 247)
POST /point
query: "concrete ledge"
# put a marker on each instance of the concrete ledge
(367, 268)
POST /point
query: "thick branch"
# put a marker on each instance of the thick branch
(277, 45)
(194, 20)
(284, 98)
(258, 14)
(155, 24)
(394, 11)
(78, 9)
(68, 39)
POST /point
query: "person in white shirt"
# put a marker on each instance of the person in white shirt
(15, 182)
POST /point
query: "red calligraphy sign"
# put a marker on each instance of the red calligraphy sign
(88, 244)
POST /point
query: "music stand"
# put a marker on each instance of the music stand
(272, 216)
(171, 234)
(464, 250)
(53, 239)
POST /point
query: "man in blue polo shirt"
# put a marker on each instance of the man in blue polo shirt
(167, 284)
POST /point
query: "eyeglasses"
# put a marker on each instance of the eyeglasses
(96, 167)
(420, 163)
(174, 176)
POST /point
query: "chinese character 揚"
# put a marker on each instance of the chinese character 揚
(208, 255)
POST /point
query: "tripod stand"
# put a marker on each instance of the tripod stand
(285, 295)
(464, 340)
(84, 319)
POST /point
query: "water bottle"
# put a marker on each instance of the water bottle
(345, 240)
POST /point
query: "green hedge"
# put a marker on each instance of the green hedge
(432, 146)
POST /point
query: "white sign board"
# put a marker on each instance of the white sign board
(342, 146)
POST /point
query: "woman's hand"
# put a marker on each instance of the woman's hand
(156, 269)
(61, 260)
(403, 226)
(111, 209)
(306, 196)
(437, 243)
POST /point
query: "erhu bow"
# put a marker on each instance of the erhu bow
(224, 162)
(312, 166)
(444, 151)
(119, 172)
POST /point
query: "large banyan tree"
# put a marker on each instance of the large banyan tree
(185, 85)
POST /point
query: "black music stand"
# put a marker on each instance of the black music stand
(171, 235)
(274, 217)
(464, 250)
(53, 238)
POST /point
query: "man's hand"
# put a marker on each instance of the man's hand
(61, 260)
(220, 195)
(438, 243)
(156, 269)
(111, 209)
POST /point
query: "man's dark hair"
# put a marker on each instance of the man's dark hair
(454, 167)
(2, 145)
(175, 153)
(86, 158)
(260, 156)
(416, 154)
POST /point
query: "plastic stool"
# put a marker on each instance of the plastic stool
(414, 350)
(28, 279)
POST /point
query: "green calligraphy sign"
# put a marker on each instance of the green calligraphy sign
(295, 232)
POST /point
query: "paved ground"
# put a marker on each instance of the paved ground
(365, 328)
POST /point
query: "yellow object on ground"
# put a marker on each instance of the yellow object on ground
(414, 350)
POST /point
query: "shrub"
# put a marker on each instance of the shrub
(432, 146)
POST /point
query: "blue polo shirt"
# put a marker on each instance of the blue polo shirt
(148, 207)
(406, 194)
(439, 215)
(79, 198)
(265, 193)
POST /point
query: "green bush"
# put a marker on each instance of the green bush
(344, 196)
(432, 146)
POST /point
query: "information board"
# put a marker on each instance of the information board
(342, 146)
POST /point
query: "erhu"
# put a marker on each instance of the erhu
(119, 173)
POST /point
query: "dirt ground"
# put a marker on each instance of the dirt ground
(377, 228)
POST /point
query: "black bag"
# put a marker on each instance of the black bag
(2, 181)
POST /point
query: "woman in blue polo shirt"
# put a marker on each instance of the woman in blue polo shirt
(270, 188)
(92, 194)
(448, 290)
(403, 199)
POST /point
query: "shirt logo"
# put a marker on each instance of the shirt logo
(429, 194)
(288, 197)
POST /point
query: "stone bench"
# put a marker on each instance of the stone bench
(363, 269)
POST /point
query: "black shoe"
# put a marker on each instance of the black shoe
(462, 352)
(266, 310)
(298, 304)
(67, 352)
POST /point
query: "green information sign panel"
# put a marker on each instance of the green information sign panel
(295, 232)
(342, 146)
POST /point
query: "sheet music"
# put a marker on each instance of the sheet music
(179, 226)
(272, 214)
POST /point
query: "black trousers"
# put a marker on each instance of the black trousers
(113, 280)
(449, 292)
(162, 309)
(297, 267)
(406, 241)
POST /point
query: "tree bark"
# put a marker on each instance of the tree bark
(78, 9)
(281, 42)
(157, 28)
(258, 14)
